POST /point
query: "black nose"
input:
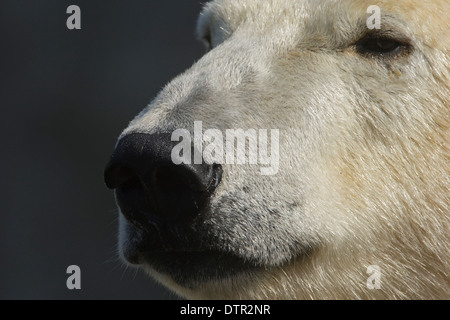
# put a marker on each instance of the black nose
(150, 187)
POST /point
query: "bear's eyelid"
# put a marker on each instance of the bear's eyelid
(386, 33)
(391, 27)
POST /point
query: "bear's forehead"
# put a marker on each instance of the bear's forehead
(329, 16)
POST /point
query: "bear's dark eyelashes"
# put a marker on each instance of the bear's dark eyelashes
(381, 46)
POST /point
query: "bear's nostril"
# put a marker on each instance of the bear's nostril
(117, 175)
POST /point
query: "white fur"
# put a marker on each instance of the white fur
(363, 175)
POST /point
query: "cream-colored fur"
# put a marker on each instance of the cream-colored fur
(364, 164)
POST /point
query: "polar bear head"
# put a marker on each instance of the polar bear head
(304, 156)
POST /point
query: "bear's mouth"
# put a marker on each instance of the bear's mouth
(179, 254)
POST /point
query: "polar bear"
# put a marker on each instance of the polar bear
(358, 207)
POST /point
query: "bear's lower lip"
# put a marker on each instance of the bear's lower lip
(187, 262)
(188, 268)
(193, 268)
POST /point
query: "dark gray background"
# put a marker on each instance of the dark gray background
(65, 96)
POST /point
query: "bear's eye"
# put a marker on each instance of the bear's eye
(380, 46)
